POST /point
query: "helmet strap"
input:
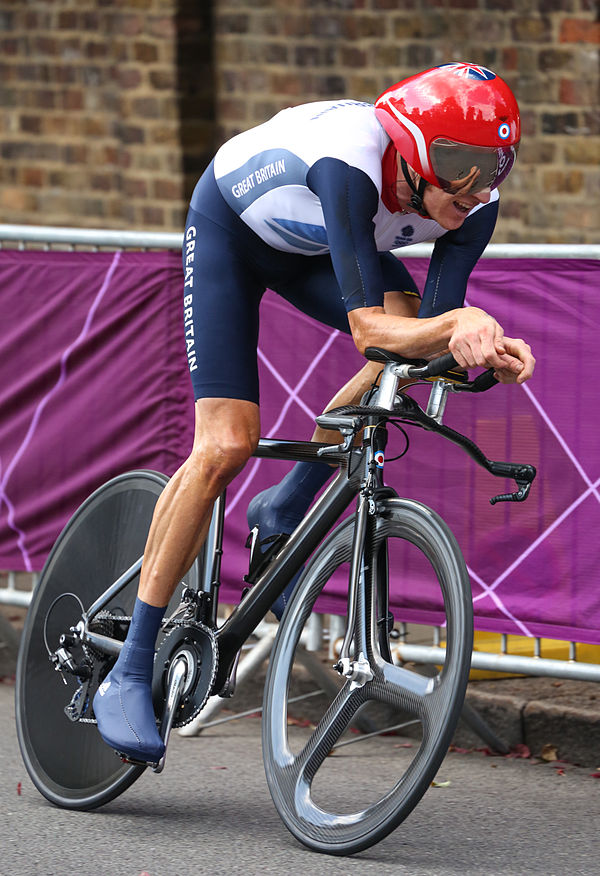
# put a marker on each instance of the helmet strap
(416, 199)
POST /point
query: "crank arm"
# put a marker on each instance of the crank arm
(177, 681)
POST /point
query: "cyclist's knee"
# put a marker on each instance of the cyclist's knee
(216, 464)
(227, 432)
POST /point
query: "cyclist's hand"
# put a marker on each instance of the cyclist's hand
(478, 342)
(519, 352)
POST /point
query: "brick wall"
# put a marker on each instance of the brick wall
(112, 107)
(107, 110)
(272, 53)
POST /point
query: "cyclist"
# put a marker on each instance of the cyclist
(310, 204)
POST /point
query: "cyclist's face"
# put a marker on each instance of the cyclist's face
(450, 208)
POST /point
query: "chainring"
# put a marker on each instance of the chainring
(198, 645)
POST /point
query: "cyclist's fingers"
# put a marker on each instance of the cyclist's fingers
(519, 351)
(492, 348)
(510, 371)
(505, 376)
(463, 354)
(499, 340)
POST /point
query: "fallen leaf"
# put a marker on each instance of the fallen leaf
(404, 745)
(560, 772)
(440, 784)
(19, 788)
(458, 750)
(549, 753)
(299, 722)
(595, 775)
(520, 750)
(217, 767)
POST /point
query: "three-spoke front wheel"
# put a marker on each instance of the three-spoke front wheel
(309, 762)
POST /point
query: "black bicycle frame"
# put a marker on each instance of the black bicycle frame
(290, 558)
(254, 605)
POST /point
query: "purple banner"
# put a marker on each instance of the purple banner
(94, 382)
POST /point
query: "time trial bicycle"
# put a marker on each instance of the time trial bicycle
(81, 610)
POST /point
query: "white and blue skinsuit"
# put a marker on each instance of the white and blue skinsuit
(295, 205)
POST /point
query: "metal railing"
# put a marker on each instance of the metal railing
(96, 238)
(25, 236)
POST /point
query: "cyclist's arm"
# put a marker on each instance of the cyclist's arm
(454, 257)
(349, 200)
(473, 337)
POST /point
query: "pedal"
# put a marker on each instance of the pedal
(135, 762)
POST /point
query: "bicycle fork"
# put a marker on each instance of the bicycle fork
(355, 663)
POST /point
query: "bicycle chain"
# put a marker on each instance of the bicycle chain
(106, 621)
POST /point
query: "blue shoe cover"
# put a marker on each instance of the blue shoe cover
(262, 513)
(282, 507)
(124, 711)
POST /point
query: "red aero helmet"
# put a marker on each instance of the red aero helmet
(451, 119)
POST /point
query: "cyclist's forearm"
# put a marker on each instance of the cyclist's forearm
(413, 338)
(350, 394)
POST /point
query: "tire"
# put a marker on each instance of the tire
(319, 797)
(68, 761)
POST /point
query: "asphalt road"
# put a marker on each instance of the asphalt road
(210, 812)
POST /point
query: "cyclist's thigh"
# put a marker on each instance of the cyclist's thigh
(221, 302)
(315, 289)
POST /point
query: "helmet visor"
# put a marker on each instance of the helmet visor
(464, 168)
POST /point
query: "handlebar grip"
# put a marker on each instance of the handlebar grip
(484, 381)
(444, 363)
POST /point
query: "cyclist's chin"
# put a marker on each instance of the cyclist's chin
(447, 210)
(449, 217)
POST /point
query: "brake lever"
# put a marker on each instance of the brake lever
(519, 496)
(523, 475)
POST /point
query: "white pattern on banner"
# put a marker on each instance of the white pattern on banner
(40, 409)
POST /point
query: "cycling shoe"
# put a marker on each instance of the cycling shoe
(125, 714)
(262, 512)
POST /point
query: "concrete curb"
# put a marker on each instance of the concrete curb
(544, 714)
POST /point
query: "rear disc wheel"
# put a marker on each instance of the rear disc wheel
(67, 760)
